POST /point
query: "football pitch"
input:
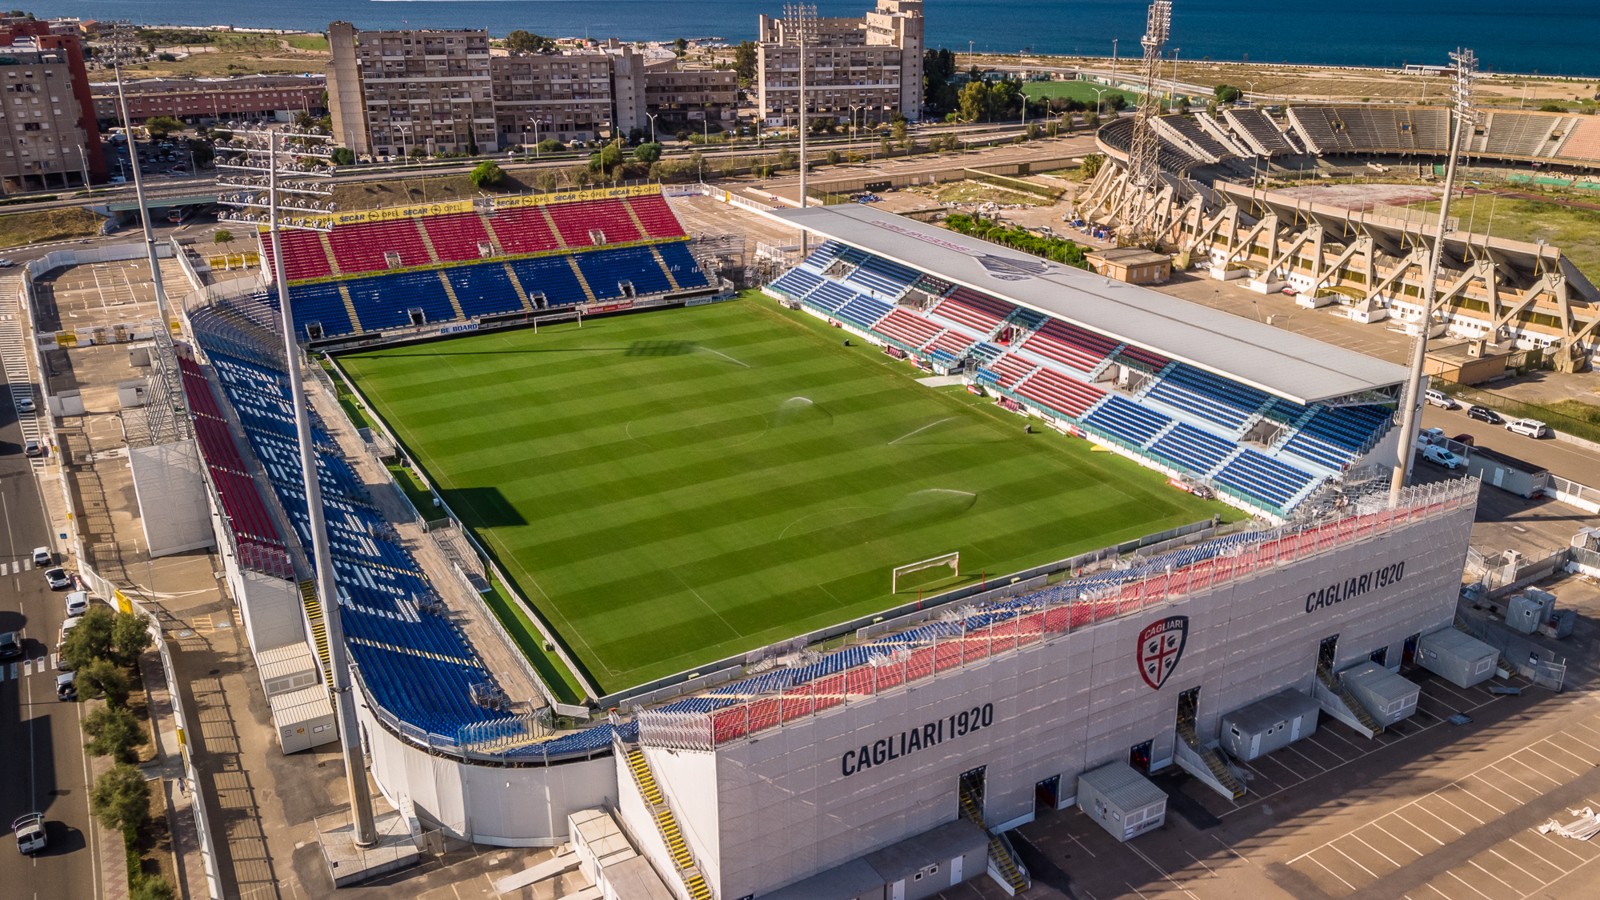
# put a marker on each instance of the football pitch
(673, 487)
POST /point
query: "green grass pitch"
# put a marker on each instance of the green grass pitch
(674, 487)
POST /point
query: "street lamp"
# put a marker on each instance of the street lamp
(652, 118)
(853, 108)
(1113, 60)
(1097, 93)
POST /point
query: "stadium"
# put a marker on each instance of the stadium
(799, 598)
(1213, 204)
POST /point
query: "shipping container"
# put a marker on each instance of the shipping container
(1457, 657)
(286, 669)
(304, 719)
(1124, 802)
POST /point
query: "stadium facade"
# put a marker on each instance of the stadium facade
(779, 776)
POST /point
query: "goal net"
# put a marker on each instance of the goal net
(920, 574)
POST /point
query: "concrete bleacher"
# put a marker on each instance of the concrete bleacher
(1258, 131)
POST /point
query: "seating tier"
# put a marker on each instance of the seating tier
(1196, 450)
(457, 236)
(578, 223)
(979, 312)
(362, 248)
(1208, 396)
(908, 328)
(1070, 345)
(606, 271)
(657, 217)
(1065, 395)
(1126, 420)
(523, 229)
(1264, 478)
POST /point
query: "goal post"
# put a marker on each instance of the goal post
(952, 560)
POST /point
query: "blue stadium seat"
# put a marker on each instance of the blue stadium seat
(607, 270)
(680, 262)
(551, 276)
(1264, 478)
(483, 290)
(1207, 396)
(1195, 450)
(1129, 421)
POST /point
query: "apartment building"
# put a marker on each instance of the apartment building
(566, 96)
(870, 67)
(395, 92)
(48, 134)
(277, 97)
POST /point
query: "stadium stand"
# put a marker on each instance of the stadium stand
(1258, 131)
(1584, 141)
(594, 223)
(1188, 134)
(1264, 478)
(387, 301)
(415, 665)
(862, 310)
(886, 278)
(524, 229)
(1193, 449)
(907, 328)
(1127, 420)
(1058, 393)
(657, 217)
(304, 256)
(1336, 436)
(1007, 371)
(979, 312)
(367, 248)
(683, 269)
(1210, 397)
(483, 290)
(458, 237)
(1070, 345)
(549, 281)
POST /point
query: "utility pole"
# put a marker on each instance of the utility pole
(1465, 65)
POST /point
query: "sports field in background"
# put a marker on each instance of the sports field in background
(674, 487)
(1081, 91)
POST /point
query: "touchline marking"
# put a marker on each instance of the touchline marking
(920, 430)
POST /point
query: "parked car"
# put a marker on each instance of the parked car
(1528, 427)
(6, 263)
(1484, 414)
(29, 829)
(57, 578)
(25, 405)
(61, 641)
(67, 686)
(1440, 456)
(43, 557)
(10, 645)
(77, 603)
(33, 447)
(1430, 435)
(1465, 440)
(1439, 399)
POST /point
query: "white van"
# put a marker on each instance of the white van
(1528, 427)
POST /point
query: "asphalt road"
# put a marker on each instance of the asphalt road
(42, 763)
(1567, 460)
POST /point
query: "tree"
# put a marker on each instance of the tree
(114, 732)
(603, 162)
(160, 127)
(1552, 107)
(745, 58)
(680, 46)
(343, 156)
(901, 132)
(551, 145)
(130, 636)
(648, 152)
(91, 639)
(103, 678)
(150, 887)
(222, 238)
(202, 152)
(1227, 93)
(121, 798)
(520, 41)
(487, 175)
(1091, 164)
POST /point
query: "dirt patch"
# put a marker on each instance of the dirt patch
(22, 229)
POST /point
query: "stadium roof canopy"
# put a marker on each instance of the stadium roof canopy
(1289, 365)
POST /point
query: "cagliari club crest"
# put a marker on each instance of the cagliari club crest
(1160, 647)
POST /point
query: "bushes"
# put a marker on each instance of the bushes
(114, 732)
(487, 174)
(1056, 249)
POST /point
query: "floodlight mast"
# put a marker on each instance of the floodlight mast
(1143, 153)
(803, 16)
(119, 37)
(1465, 64)
(266, 143)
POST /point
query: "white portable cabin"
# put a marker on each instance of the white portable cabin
(1389, 697)
(1269, 724)
(1457, 657)
(304, 719)
(288, 668)
(1121, 800)
(1526, 611)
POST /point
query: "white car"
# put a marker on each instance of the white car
(77, 603)
(1430, 436)
(43, 557)
(1528, 427)
(1440, 456)
(25, 405)
(57, 578)
(1439, 399)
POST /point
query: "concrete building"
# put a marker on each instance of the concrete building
(393, 91)
(1135, 265)
(869, 67)
(684, 99)
(51, 138)
(566, 96)
(193, 100)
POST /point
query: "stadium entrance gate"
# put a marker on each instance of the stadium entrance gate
(969, 794)
(1047, 794)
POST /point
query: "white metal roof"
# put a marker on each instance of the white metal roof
(1289, 365)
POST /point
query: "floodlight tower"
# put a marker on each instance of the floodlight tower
(1464, 65)
(251, 161)
(803, 18)
(1143, 173)
(122, 42)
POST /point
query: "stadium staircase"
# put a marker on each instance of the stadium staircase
(1340, 703)
(516, 285)
(550, 221)
(656, 252)
(577, 272)
(450, 291)
(427, 241)
(494, 239)
(350, 308)
(1004, 866)
(1207, 764)
(318, 626)
(327, 250)
(671, 834)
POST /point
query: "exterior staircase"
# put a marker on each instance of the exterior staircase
(318, 625)
(671, 834)
(1218, 774)
(1004, 866)
(494, 239)
(450, 292)
(350, 308)
(433, 254)
(1331, 688)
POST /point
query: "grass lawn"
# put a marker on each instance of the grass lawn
(674, 487)
(1575, 230)
(1082, 91)
(21, 229)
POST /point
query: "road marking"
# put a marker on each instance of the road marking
(1333, 873)
(1397, 840)
(1470, 887)
(1336, 849)
(1515, 866)
(1475, 865)
(1573, 772)
(1375, 849)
